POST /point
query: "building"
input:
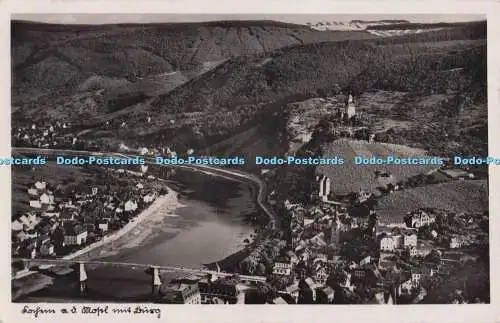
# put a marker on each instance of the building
(130, 206)
(456, 242)
(415, 278)
(46, 199)
(40, 185)
(321, 274)
(220, 291)
(103, 226)
(17, 226)
(66, 216)
(181, 291)
(32, 191)
(349, 110)
(387, 244)
(366, 260)
(410, 240)
(363, 196)
(75, 235)
(148, 198)
(419, 218)
(324, 187)
(47, 249)
(283, 267)
(35, 204)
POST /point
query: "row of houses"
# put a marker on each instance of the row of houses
(58, 224)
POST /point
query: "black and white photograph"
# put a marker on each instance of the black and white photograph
(275, 159)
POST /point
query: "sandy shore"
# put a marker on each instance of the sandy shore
(141, 229)
(134, 232)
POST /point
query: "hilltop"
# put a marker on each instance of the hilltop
(51, 60)
(235, 92)
(247, 87)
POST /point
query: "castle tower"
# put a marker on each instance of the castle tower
(324, 187)
(350, 109)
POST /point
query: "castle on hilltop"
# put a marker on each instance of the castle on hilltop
(349, 110)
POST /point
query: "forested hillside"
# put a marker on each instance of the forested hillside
(251, 71)
(54, 60)
(233, 95)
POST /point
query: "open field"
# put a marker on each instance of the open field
(456, 196)
(350, 177)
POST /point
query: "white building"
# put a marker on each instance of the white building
(283, 268)
(130, 206)
(35, 204)
(350, 108)
(75, 236)
(415, 278)
(104, 226)
(40, 185)
(148, 198)
(32, 191)
(419, 218)
(387, 244)
(410, 240)
(44, 199)
(17, 226)
(365, 261)
(455, 242)
(324, 187)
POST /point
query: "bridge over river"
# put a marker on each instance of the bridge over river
(44, 264)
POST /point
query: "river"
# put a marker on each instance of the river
(209, 226)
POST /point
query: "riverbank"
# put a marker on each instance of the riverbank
(162, 233)
(132, 234)
(136, 231)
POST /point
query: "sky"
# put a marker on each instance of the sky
(291, 18)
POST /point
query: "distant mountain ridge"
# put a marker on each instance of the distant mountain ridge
(353, 24)
(238, 94)
(384, 28)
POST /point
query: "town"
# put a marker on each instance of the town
(325, 249)
(63, 219)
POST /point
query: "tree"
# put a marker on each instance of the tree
(261, 270)
(249, 265)
(433, 257)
